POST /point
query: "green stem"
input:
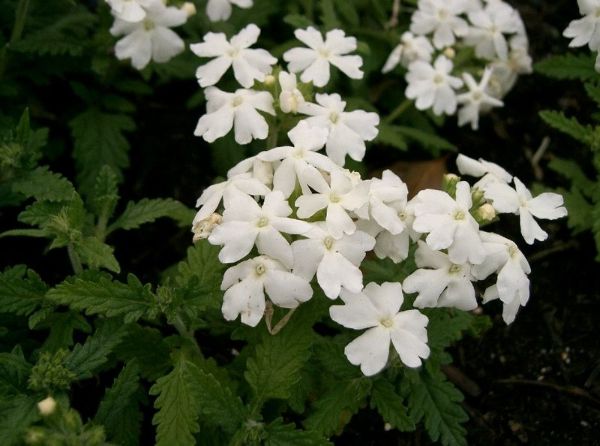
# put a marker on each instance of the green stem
(402, 107)
(17, 31)
(101, 224)
(272, 140)
(185, 333)
(75, 260)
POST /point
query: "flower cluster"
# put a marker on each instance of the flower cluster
(486, 39)
(586, 31)
(146, 27)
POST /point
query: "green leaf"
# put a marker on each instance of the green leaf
(119, 410)
(87, 358)
(96, 293)
(446, 326)
(337, 406)
(39, 212)
(99, 141)
(328, 16)
(389, 135)
(437, 401)
(14, 372)
(348, 11)
(42, 184)
(105, 193)
(570, 126)
(426, 139)
(297, 21)
(62, 326)
(391, 406)
(279, 434)
(148, 349)
(97, 254)
(16, 415)
(593, 91)
(148, 210)
(21, 291)
(178, 403)
(571, 170)
(568, 66)
(581, 217)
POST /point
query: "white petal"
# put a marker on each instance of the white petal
(370, 350)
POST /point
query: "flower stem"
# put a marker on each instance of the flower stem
(185, 333)
(17, 31)
(74, 258)
(402, 107)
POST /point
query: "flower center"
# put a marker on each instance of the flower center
(237, 101)
(442, 14)
(334, 117)
(298, 153)
(387, 323)
(478, 95)
(328, 242)
(402, 216)
(262, 222)
(455, 269)
(324, 52)
(334, 198)
(149, 25)
(233, 52)
(438, 79)
(459, 215)
(260, 269)
(512, 251)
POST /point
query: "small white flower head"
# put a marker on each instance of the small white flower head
(377, 309)
(219, 10)
(512, 286)
(339, 198)
(248, 64)
(257, 168)
(440, 282)
(586, 31)
(348, 131)
(475, 99)
(385, 195)
(519, 201)
(335, 261)
(410, 49)
(314, 61)
(449, 223)
(150, 38)
(396, 246)
(129, 10)
(237, 110)
(440, 17)
(47, 406)
(300, 162)
(433, 85)
(247, 283)
(490, 25)
(488, 172)
(290, 97)
(245, 224)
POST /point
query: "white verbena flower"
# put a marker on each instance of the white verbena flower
(248, 64)
(377, 309)
(348, 131)
(585, 31)
(247, 283)
(385, 195)
(475, 99)
(449, 223)
(314, 61)
(129, 10)
(218, 10)
(395, 246)
(334, 261)
(410, 49)
(150, 38)
(290, 97)
(259, 169)
(237, 110)
(440, 282)
(433, 85)
(440, 17)
(488, 172)
(519, 201)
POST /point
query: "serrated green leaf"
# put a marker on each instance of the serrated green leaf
(39, 212)
(86, 358)
(568, 66)
(98, 294)
(62, 326)
(16, 415)
(389, 135)
(391, 406)
(42, 184)
(571, 170)
(593, 91)
(178, 403)
(437, 402)
(14, 372)
(280, 434)
(147, 347)
(337, 406)
(105, 193)
(446, 326)
(21, 291)
(570, 126)
(97, 254)
(99, 141)
(147, 210)
(580, 210)
(119, 410)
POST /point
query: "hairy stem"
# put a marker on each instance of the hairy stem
(402, 107)
(185, 333)
(75, 260)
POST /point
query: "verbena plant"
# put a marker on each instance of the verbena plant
(278, 240)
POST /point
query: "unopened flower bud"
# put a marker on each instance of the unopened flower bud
(189, 8)
(269, 79)
(486, 212)
(450, 53)
(47, 406)
(203, 228)
(449, 183)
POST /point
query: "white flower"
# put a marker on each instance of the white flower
(339, 198)
(412, 48)
(348, 131)
(512, 286)
(314, 61)
(259, 169)
(475, 99)
(440, 17)
(218, 10)
(300, 159)
(238, 110)
(335, 261)
(489, 27)
(449, 223)
(433, 86)
(247, 283)
(519, 201)
(443, 284)
(385, 195)
(248, 64)
(586, 30)
(245, 223)
(129, 10)
(151, 38)
(488, 171)
(377, 308)
(290, 97)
